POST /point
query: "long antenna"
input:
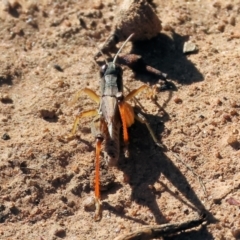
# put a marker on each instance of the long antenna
(95, 45)
(115, 58)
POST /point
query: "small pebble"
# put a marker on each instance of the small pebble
(97, 4)
(177, 100)
(235, 131)
(219, 102)
(47, 114)
(233, 141)
(71, 204)
(89, 203)
(218, 155)
(60, 233)
(233, 112)
(221, 27)
(227, 117)
(5, 136)
(232, 20)
(4, 98)
(189, 47)
(234, 104)
(236, 233)
(233, 201)
(58, 67)
(217, 4)
(229, 6)
(76, 169)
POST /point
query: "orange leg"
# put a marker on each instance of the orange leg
(97, 178)
(124, 123)
(126, 110)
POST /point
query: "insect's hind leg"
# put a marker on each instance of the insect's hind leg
(139, 117)
(99, 140)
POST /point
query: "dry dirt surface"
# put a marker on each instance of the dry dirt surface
(47, 57)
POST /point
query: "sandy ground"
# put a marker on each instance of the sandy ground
(46, 58)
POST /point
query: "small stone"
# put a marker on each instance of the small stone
(233, 141)
(5, 98)
(97, 4)
(60, 232)
(58, 67)
(227, 117)
(234, 104)
(229, 6)
(189, 47)
(71, 204)
(5, 136)
(177, 100)
(219, 192)
(235, 131)
(218, 155)
(232, 20)
(89, 203)
(48, 113)
(221, 27)
(233, 112)
(219, 102)
(217, 4)
(236, 232)
(76, 169)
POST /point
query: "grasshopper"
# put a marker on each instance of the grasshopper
(113, 112)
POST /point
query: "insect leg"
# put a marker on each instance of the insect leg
(127, 117)
(142, 119)
(89, 113)
(99, 140)
(134, 92)
(89, 92)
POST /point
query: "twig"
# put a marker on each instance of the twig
(189, 168)
(153, 231)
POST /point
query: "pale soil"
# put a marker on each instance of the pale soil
(44, 180)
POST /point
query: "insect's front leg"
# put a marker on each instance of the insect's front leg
(89, 113)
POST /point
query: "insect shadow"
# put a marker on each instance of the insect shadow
(146, 164)
(165, 53)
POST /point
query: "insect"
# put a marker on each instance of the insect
(113, 112)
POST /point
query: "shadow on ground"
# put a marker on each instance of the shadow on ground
(165, 53)
(144, 167)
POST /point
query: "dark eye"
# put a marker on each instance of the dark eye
(103, 70)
